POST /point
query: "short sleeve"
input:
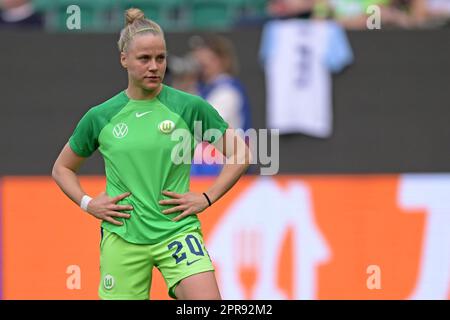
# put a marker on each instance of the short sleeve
(210, 119)
(339, 52)
(268, 39)
(84, 141)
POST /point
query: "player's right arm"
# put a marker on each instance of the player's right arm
(102, 207)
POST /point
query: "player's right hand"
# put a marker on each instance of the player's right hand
(104, 207)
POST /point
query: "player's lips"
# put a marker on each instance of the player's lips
(152, 77)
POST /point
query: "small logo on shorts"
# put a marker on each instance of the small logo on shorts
(191, 262)
(108, 282)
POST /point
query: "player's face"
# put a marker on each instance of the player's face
(145, 61)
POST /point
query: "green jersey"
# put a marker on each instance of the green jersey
(134, 138)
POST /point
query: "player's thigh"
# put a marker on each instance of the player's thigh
(125, 269)
(182, 256)
(200, 286)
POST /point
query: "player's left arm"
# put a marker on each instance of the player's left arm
(238, 159)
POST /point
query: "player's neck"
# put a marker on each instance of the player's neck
(141, 94)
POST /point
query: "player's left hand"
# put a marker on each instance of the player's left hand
(189, 203)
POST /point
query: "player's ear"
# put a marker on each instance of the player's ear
(123, 60)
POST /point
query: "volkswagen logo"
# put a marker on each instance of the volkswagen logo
(120, 130)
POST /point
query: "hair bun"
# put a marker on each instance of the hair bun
(132, 15)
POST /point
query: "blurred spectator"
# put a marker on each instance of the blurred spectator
(19, 13)
(183, 73)
(219, 85)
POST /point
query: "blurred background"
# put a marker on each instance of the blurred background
(358, 89)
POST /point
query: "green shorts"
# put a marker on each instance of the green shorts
(126, 268)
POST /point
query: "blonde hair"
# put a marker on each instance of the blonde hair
(135, 22)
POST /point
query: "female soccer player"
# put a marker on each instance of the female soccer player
(149, 217)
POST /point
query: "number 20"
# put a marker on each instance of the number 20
(188, 240)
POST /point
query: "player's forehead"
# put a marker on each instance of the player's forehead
(148, 44)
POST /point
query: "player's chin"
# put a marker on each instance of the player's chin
(151, 85)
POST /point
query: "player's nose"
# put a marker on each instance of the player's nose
(152, 65)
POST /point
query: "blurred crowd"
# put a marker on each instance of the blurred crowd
(352, 14)
(314, 41)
